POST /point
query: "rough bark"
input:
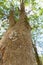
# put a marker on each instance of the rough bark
(12, 22)
(19, 50)
(18, 44)
(11, 19)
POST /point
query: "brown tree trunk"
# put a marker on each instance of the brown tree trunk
(11, 19)
(18, 44)
(12, 22)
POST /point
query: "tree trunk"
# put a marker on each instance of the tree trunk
(11, 19)
(18, 44)
(12, 22)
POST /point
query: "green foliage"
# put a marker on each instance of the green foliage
(27, 2)
(3, 27)
(41, 11)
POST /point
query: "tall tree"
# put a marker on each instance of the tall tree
(18, 49)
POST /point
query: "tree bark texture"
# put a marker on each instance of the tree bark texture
(18, 44)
